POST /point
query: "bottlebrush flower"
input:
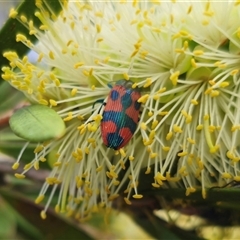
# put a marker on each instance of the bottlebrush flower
(184, 58)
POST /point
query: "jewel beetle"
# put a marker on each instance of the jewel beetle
(121, 114)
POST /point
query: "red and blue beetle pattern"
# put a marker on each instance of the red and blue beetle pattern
(121, 114)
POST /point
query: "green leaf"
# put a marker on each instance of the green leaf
(13, 27)
(9, 97)
(37, 123)
(8, 222)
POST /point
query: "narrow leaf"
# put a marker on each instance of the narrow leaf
(13, 27)
(53, 227)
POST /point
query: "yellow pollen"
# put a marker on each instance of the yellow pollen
(134, 85)
(235, 127)
(133, 22)
(131, 158)
(194, 102)
(205, 22)
(237, 3)
(162, 90)
(184, 33)
(20, 176)
(11, 56)
(20, 38)
(38, 149)
(134, 53)
(98, 28)
(69, 117)
(200, 165)
(153, 155)
(27, 166)
(179, 50)
(99, 39)
(155, 185)
(190, 140)
(137, 45)
(177, 129)
(198, 52)
(234, 72)
(148, 170)
(174, 77)
(156, 97)
(211, 128)
(116, 183)
(112, 197)
(40, 57)
(13, 13)
(127, 201)
(97, 118)
(226, 175)
(43, 102)
(15, 166)
(39, 199)
(193, 63)
(125, 75)
(171, 179)
(199, 127)
(53, 102)
(122, 152)
(189, 9)
(143, 126)
(159, 178)
(73, 92)
(78, 65)
(169, 135)
(154, 124)
(214, 93)
(57, 164)
(214, 149)
(166, 148)
(208, 91)
(150, 114)
(57, 208)
(185, 45)
(137, 196)
(148, 83)
(157, 30)
(190, 190)
(43, 215)
(224, 84)
(91, 140)
(237, 178)
(163, 113)
(208, 13)
(99, 169)
(187, 116)
(182, 170)
(212, 82)
(152, 134)
(182, 154)
(51, 55)
(206, 117)
(42, 159)
(111, 174)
